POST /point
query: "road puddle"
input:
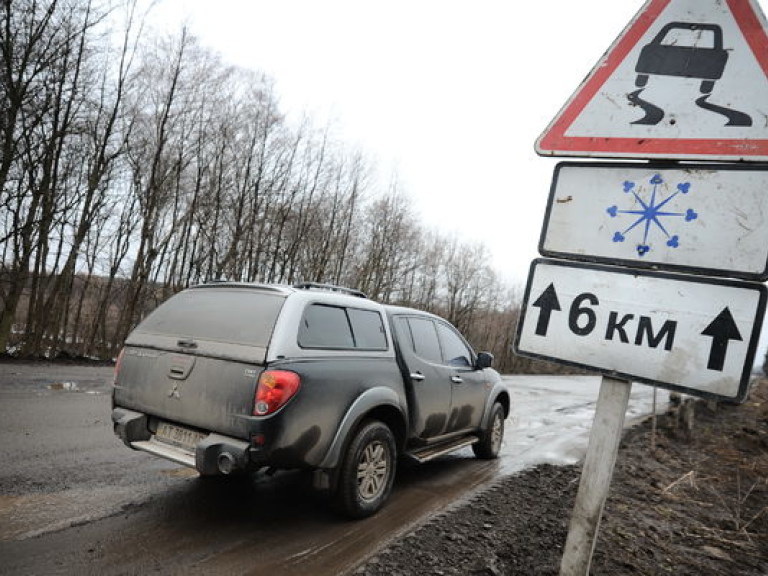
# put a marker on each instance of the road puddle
(30, 515)
(64, 386)
(181, 472)
(24, 516)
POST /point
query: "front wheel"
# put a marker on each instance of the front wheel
(490, 442)
(367, 472)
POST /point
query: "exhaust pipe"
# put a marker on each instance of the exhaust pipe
(226, 463)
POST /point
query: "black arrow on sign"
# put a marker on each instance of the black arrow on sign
(722, 329)
(546, 302)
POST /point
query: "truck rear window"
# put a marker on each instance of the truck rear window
(238, 316)
(341, 328)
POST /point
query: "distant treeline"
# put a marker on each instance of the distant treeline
(132, 166)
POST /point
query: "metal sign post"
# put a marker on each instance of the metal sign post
(595, 483)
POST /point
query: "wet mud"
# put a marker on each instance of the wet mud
(689, 499)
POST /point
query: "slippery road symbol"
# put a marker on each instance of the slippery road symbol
(686, 50)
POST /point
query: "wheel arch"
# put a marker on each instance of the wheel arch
(503, 398)
(378, 403)
(393, 418)
(501, 395)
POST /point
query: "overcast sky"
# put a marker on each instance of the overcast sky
(448, 95)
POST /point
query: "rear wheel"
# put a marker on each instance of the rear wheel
(490, 443)
(367, 472)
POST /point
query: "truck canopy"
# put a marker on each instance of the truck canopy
(227, 321)
(195, 359)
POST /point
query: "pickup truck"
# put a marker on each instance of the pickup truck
(236, 377)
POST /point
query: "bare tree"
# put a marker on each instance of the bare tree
(48, 73)
(131, 170)
(28, 44)
(389, 235)
(95, 141)
(155, 165)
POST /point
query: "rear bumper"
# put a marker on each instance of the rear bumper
(214, 454)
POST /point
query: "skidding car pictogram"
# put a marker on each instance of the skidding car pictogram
(675, 51)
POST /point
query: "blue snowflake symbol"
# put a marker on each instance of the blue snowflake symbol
(651, 213)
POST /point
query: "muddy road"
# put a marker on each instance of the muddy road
(74, 500)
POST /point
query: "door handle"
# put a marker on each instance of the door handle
(456, 379)
(418, 376)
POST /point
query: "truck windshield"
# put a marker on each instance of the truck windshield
(235, 315)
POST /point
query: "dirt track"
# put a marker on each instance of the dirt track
(696, 505)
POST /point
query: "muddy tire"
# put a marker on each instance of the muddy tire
(490, 442)
(367, 471)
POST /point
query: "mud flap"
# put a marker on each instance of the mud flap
(130, 426)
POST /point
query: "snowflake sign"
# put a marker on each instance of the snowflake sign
(652, 214)
(695, 218)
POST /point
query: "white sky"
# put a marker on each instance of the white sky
(449, 95)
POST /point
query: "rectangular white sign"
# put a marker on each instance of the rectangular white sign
(692, 334)
(710, 219)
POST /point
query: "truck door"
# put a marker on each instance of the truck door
(428, 382)
(468, 384)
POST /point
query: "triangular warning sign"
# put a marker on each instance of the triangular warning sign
(687, 79)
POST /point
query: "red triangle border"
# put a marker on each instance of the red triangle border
(554, 142)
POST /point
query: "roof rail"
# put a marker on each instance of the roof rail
(329, 288)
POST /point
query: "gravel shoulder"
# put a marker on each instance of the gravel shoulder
(688, 498)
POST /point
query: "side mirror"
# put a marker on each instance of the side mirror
(484, 360)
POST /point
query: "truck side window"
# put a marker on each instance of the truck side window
(368, 329)
(455, 352)
(325, 327)
(404, 334)
(425, 343)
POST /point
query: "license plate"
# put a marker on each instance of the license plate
(179, 436)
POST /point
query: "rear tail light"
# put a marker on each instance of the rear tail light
(275, 388)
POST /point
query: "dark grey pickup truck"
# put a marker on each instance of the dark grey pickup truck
(229, 377)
